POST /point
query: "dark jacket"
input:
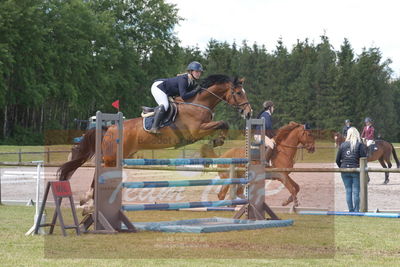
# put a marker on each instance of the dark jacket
(268, 123)
(345, 158)
(344, 131)
(178, 86)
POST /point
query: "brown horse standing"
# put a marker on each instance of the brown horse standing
(194, 121)
(382, 154)
(287, 140)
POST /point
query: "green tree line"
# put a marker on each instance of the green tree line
(61, 60)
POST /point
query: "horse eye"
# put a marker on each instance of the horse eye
(239, 93)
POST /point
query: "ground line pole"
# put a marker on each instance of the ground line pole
(363, 185)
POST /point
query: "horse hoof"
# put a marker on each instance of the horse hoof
(218, 142)
(386, 181)
(220, 197)
(241, 196)
(293, 209)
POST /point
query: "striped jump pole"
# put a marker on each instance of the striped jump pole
(184, 183)
(183, 205)
(175, 162)
(343, 213)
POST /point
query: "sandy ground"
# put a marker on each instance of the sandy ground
(321, 190)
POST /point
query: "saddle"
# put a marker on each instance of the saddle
(169, 117)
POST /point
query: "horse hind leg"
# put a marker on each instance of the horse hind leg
(222, 193)
(382, 162)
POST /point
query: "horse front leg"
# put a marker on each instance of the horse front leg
(293, 189)
(210, 127)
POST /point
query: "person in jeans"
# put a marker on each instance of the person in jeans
(348, 156)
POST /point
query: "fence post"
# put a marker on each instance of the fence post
(363, 185)
(20, 156)
(48, 155)
(0, 186)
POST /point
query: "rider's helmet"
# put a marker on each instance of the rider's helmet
(367, 119)
(268, 104)
(194, 66)
(347, 121)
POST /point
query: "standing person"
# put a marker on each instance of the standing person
(184, 85)
(266, 113)
(348, 156)
(368, 133)
(347, 125)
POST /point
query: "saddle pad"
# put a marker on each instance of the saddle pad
(148, 122)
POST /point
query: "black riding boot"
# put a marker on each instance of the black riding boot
(268, 154)
(158, 116)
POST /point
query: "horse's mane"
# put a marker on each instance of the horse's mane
(284, 131)
(220, 79)
(215, 79)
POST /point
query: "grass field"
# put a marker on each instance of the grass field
(311, 241)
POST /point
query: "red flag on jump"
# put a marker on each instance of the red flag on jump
(115, 104)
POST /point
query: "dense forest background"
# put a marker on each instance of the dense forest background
(61, 60)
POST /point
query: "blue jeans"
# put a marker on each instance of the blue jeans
(352, 184)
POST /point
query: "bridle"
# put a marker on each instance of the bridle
(232, 95)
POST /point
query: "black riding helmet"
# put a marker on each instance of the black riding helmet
(196, 66)
(368, 119)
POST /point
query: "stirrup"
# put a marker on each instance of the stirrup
(154, 131)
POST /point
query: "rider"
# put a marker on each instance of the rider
(347, 125)
(266, 113)
(368, 132)
(184, 85)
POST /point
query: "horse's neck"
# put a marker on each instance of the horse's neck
(211, 97)
(289, 144)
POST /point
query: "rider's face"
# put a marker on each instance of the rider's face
(196, 74)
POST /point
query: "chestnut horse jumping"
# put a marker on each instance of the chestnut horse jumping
(193, 122)
(287, 140)
(382, 154)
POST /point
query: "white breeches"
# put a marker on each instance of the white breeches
(160, 97)
(370, 142)
(268, 141)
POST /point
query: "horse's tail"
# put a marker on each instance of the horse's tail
(86, 150)
(395, 156)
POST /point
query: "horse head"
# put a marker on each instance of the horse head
(307, 139)
(339, 139)
(223, 88)
(237, 98)
(293, 134)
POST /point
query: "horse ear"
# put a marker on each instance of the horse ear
(307, 126)
(241, 80)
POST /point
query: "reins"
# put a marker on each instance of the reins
(236, 106)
